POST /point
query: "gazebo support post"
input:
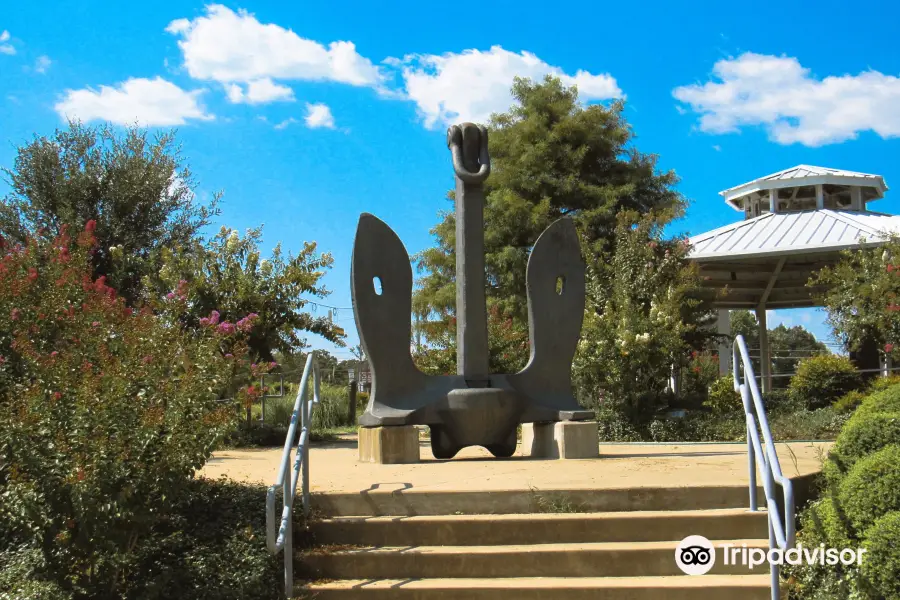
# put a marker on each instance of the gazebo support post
(723, 327)
(765, 360)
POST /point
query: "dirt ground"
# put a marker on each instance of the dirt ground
(334, 468)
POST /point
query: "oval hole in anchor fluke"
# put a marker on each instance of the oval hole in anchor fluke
(560, 285)
(376, 283)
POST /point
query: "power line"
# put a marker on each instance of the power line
(317, 304)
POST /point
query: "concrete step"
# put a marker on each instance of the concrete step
(488, 530)
(706, 587)
(610, 559)
(415, 502)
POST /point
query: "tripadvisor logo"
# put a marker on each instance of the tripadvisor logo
(696, 555)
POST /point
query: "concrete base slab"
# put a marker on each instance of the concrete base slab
(565, 439)
(389, 445)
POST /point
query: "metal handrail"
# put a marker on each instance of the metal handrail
(280, 536)
(782, 534)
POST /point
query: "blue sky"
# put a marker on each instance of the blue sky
(306, 114)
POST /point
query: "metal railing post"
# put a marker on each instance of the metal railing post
(751, 463)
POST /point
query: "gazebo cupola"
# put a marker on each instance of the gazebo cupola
(805, 188)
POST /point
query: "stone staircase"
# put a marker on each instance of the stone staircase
(573, 544)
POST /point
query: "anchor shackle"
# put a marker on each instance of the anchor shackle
(468, 145)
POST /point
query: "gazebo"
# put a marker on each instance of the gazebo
(795, 222)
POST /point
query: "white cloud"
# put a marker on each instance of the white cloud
(286, 122)
(778, 93)
(234, 47)
(318, 116)
(153, 102)
(260, 91)
(717, 147)
(42, 64)
(5, 46)
(472, 84)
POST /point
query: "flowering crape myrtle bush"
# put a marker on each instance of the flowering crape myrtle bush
(635, 324)
(107, 410)
(862, 297)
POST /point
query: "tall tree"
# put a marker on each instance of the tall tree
(226, 279)
(639, 320)
(137, 190)
(550, 157)
(787, 345)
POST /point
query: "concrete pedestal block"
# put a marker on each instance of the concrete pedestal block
(565, 439)
(389, 445)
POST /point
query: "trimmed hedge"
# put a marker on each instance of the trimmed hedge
(884, 401)
(849, 402)
(820, 380)
(881, 565)
(862, 435)
(824, 523)
(872, 488)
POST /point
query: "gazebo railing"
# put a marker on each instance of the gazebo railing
(781, 525)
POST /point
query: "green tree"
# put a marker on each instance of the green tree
(862, 297)
(137, 190)
(550, 157)
(227, 280)
(635, 325)
(787, 345)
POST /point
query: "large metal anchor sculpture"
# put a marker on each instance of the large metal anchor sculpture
(473, 407)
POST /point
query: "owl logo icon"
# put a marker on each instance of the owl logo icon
(695, 555)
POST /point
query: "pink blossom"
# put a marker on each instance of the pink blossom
(229, 355)
(214, 317)
(170, 296)
(90, 226)
(32, 274)
(147, 359)
(888, 348)
(95, 324)
(226, 328)
(54, 354)
(204, 321)
(2, 359)
(14, 314)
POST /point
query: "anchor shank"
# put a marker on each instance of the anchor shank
(471, 309)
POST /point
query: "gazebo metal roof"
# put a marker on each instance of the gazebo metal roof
(783, 234)
(803, 175)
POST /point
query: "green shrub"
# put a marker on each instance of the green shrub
(881, 565)
(722, 398)
(331, 412)
(824, 522)
(882, 383)
(614, 426)
(849, 402)
(107, 412)
(863, 435)
(871, 488)
(884, 401)
(821, 424)
(211, 546)
(23, 575)
(780, 401)
(821, 380)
